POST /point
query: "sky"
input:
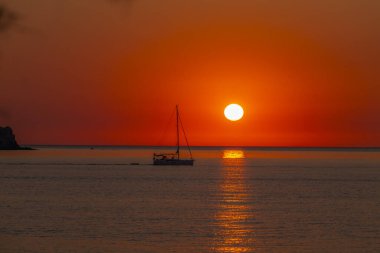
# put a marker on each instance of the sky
(110, 72)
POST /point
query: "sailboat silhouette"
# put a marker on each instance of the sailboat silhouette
(174, 158)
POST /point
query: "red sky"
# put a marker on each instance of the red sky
(110, 72)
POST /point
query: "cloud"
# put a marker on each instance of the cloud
(7, 18)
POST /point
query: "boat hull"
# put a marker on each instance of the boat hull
(173, 162)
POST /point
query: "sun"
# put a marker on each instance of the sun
(233, 112)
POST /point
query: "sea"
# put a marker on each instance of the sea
(112, 199)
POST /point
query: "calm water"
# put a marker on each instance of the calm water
(232, 200)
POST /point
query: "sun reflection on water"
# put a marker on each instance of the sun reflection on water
(234, 217)
(233, 154)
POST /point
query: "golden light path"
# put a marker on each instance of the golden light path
(233, 154)
(235, 233)
(233, 112)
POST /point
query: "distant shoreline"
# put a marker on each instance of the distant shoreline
(15, 149)
(258, 148)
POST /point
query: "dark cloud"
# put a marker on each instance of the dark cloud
(7, 18)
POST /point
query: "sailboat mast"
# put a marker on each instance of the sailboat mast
(177, 131)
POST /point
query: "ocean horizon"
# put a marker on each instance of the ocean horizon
(274, 148)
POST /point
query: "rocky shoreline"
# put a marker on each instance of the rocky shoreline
(8, 140)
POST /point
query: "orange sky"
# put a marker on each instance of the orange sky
(110, 72)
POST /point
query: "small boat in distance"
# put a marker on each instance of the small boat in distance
(174, 158)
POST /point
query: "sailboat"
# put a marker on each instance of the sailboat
(174, 158)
